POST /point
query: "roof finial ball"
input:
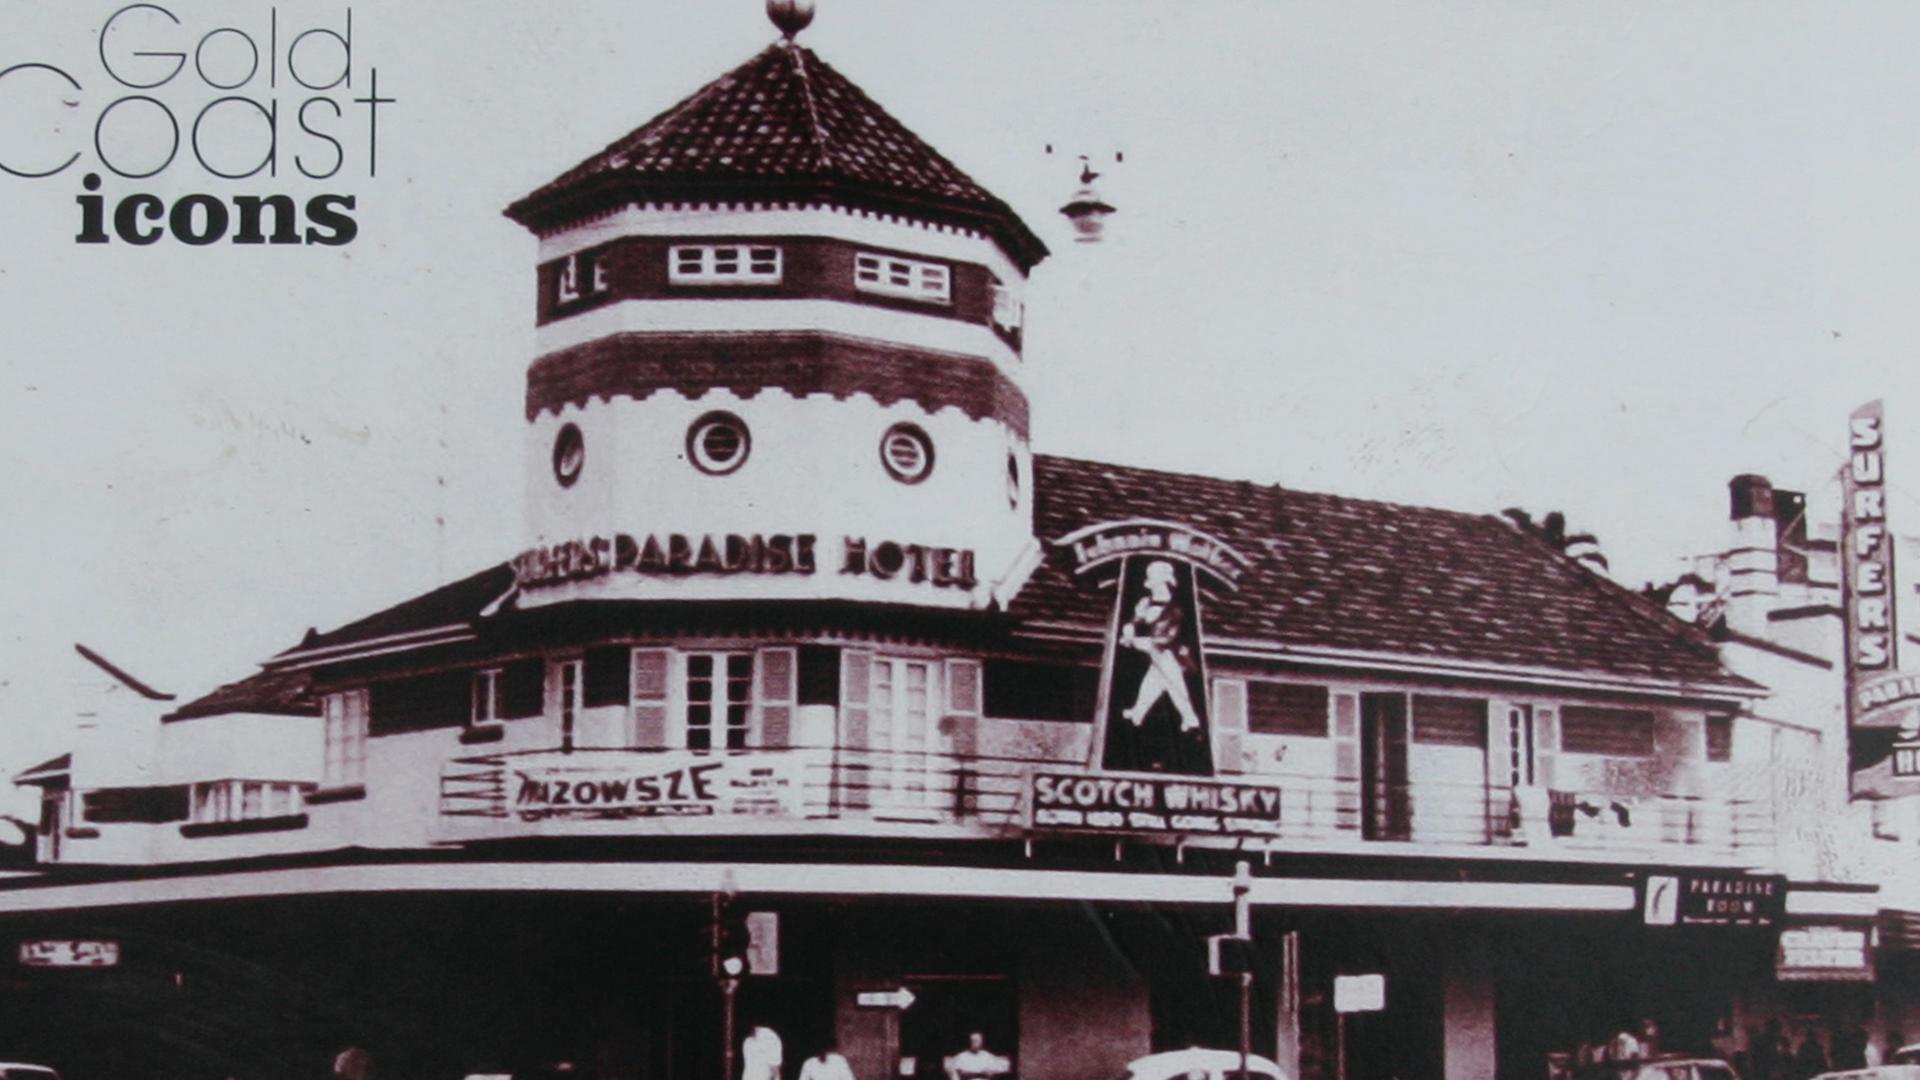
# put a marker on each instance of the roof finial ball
(791, 16)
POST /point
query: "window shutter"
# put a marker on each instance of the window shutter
(776, 697)
(962, 721)
(1229, 724)
(652, 681)
(856, 689)
(1346, 736)
(1546, 745)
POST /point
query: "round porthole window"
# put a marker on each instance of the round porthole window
(569, 455)
(718, 443)
(1013, 481)
(907, 453)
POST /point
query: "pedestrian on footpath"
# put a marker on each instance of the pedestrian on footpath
(828, 1064)
(761, 1054)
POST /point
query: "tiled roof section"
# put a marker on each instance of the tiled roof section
(51, 769)
(456, 604)
(272, 693)
(1377, 577)
(1326, 572)
(784, 126)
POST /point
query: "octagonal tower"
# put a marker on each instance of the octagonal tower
(779, 356)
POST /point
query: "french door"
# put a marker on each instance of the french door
(903, 728)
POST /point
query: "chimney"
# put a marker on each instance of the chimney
(1753, 559)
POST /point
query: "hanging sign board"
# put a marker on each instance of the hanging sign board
(1825, 954)
(1359, 993)
(1713, 898)
(69, 954)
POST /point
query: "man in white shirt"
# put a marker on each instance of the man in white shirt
(761, 1054)
(976, 1062)
(826, 1065)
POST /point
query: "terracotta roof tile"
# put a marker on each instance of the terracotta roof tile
(1370, 576)
(784, 126)
(274, 693)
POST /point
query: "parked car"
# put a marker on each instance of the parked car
(1198, 1062)
(1670, 1067)
(10, 1070)
(1906, 1069)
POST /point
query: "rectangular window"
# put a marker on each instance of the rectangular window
(1719, 738)
(145, 806)
(421, 702)
(566, 678)
(346, 716)
(723, 264)
(1031, 690)
(819, 675)
(244, 800)
(1287, 709)
(1450, 721)
(908, 278)
(719, 700)
(1613, 732)
(609, 677)
(522, 689)
(486, 697)
(1520, 746)
(1007, 312)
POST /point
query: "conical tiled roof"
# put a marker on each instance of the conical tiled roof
(784, 127)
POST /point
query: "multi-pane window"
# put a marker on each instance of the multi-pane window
(1520, 746)
(345, 716)
(909, 278)
(244, 800)
(719, 700)
(723, 264)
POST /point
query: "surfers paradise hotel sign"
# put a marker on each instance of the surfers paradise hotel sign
(1883, 702)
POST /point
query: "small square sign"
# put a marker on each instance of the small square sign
(1359, 993)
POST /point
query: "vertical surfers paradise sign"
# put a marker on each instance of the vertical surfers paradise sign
(1883, 703)
(1152, 714)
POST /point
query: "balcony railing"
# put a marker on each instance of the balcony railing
(621, 790)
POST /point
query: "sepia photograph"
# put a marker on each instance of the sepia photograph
(1026, 540)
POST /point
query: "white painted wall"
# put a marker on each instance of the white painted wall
(637, 479)
(239, 746)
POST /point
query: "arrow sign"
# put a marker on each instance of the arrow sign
(885, 999)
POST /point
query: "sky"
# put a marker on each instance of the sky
(1592, 258)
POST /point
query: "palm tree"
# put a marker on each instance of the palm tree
(1551, 530)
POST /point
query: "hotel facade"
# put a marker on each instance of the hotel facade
(982, 739)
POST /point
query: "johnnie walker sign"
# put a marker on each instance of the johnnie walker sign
(1151, 766)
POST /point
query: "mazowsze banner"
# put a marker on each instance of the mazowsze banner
(623, 784)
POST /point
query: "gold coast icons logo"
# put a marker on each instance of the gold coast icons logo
(279, 100)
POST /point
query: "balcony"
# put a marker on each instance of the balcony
(819, 791)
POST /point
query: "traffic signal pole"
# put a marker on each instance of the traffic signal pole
(728, 987)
